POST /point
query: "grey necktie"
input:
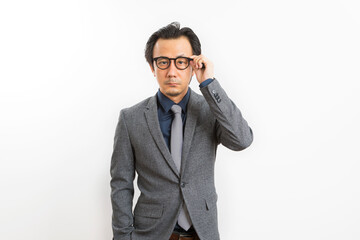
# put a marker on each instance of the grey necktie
(176, 148)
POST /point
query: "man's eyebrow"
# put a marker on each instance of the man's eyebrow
(180, 55)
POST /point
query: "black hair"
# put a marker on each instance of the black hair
(171, 31)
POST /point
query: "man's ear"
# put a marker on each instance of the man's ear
(152, 69)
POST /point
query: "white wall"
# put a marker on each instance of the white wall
(68, 67)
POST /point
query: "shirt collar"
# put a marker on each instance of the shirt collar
(166, 103)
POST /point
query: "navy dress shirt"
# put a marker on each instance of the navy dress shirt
(166, 115)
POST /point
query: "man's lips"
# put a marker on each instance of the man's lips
(172, 84)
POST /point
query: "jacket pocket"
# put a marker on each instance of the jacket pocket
(150, 210)
(210, 201)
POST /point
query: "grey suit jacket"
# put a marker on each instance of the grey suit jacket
(139, 147)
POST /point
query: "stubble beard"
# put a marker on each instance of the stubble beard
(173, 92)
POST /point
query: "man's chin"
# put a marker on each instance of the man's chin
(173, 93)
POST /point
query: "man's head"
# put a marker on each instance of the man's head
(172, 42)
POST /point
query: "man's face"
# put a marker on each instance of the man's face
(173, 82)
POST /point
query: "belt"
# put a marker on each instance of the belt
(184, 236)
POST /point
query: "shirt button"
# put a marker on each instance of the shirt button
(213, 91)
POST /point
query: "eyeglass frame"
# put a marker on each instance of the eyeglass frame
(155, 59)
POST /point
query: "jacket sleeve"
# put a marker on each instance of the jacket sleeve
(232, 130)
(122, 176)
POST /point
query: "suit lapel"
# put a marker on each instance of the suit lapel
(191, 119)
(152, 120)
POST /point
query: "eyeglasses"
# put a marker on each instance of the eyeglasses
(181, 63)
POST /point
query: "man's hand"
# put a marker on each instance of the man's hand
(203, 67)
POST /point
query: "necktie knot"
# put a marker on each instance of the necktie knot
(176, 109)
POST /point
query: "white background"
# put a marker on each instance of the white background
(292, 67)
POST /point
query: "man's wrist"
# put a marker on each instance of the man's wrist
(206, 82)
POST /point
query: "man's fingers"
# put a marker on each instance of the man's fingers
(199, 61)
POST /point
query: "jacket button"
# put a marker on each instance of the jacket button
(182, 185)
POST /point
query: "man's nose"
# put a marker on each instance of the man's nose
(172, 68)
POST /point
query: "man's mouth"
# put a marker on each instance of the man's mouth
(172, 83)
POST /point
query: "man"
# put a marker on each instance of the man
(170, 141)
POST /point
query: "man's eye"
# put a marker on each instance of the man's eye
(163, 62)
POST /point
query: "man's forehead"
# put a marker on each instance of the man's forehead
(175, 47)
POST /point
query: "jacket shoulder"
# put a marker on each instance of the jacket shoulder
(137, 107)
